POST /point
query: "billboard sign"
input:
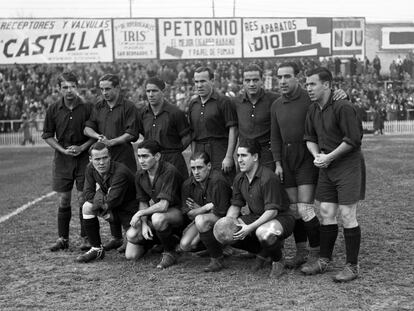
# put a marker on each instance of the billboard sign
(52, 40)
(135, 39)
(195, 38)
(286, 37)
(348, 37)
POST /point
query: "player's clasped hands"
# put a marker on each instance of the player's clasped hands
(322, 160)
(106, 141)
(74, 150)
(191, 204)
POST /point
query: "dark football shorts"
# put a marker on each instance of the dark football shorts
(305, 174)
(67, 170)
(343, 182)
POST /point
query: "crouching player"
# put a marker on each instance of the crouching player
(205, 198)
(270, 220)
(158, 187)
(110, 193)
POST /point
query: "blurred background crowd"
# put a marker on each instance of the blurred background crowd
(27, 90)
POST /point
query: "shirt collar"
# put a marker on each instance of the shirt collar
(258, 173)
(328, 103)
(77, 102)
(246, 98)
(165, 107)
(296, 94)
(214, 95)
(195, 182)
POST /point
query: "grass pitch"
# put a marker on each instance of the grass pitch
(33, 278)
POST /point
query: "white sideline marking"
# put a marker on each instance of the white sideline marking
(25, 206)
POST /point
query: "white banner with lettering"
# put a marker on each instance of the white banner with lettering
(135, 38)
(200, 38)
(286, 37)
(349, 37)
(53, 40)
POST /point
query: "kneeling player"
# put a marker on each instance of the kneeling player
(158, 187)
(270, 221)
(205, 198)
(109, 192)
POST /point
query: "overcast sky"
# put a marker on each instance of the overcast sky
(373, 11)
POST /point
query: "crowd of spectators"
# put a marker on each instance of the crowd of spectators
(27, 90)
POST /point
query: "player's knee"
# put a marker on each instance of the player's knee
(294, 209)
(349, 219)
(132, 235)
(158, 220)
(328, 213)
(203, 223)
(306, 211)
(269, 233)
(87, 208)
(64, 202)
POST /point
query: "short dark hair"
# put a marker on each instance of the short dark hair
(253, 67)
(68, 76)
(152, 145)
(323, 73)
(252, 146)
(205, 68)
(156, 81)
(293, 65)
(201, 155)
(114, 79)
(97, 146)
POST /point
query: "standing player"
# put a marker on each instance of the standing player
(213, 121)
(253, 112)
(158, 186)
(333, 135)
(115, 122)
(63, 131)
(205, 198)
(294, 163)
(166, 124)
(259, 187)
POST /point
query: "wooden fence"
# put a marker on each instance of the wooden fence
(15, 138)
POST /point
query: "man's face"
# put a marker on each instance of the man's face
(246, 159)
(100, 160)
(146, 159)
(109, 92)
(316, 88)
(203, 84)
(252, 82)
(154, 94)
(287, 80)
(68, 90)
(199, 169)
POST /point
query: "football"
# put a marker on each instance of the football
(224, 229)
